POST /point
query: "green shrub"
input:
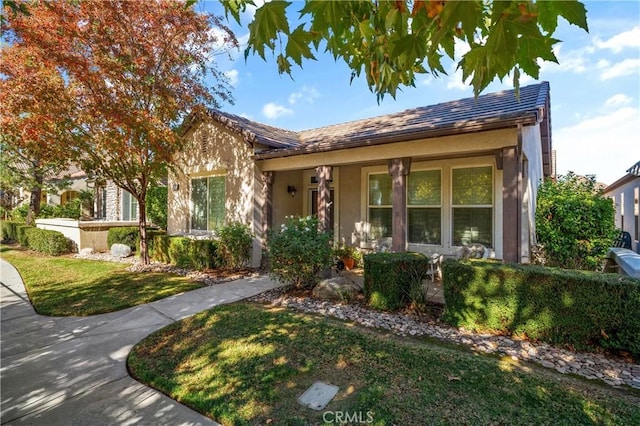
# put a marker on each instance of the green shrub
(129, 235)
(10, 230)
(390, 278)
(298, 252)
(580, 308)
(235, 244)
(21, 233)
(184, 252)
(574, 222)
(156, 203)
(52, 243)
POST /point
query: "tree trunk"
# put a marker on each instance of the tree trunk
(142, 224)
(34, 205)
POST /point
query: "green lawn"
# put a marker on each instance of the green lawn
(247, 364)
(63, 286)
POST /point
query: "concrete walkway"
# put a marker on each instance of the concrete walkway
(72, 370)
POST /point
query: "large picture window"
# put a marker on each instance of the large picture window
(208, 203)
(380, 205)
(472, 205)
(129, 206)
(424, 202)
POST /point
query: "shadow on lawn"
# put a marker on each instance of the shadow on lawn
(118, 290)
(241, 364)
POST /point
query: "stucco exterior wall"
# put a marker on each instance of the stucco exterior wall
(214, 150)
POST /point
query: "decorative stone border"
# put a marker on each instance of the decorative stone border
(590, 365)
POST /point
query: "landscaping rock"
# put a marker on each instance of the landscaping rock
(86, 251)
(120, 250)
(593, 366)
(337, 288)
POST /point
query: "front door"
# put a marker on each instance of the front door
(314, 207)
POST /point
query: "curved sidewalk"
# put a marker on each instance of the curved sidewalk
(72, 370)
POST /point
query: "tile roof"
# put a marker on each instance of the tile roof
(635, 169)
(490, 111)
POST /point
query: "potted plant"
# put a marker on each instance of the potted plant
(347, 254)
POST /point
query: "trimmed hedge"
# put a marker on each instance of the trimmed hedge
(129, 235)
(9, 230)
(184, 252)
(388, 278)
(580, 308)
(52, 243)
(21, 233)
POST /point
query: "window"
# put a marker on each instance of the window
(380, 205)
(68, 196)
(472, 206)
(208, 203)
(424, 207)
(129, 206)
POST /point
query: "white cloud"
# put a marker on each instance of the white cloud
(603, 63)
(308, 94)
(454, 81)
(617, 100)
(273, 110)
(232, 76)
(620, 41)
(600, 145)
(572, 61)
(626, 67)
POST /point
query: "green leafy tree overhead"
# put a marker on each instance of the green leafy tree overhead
(575, 222)
(392, 41)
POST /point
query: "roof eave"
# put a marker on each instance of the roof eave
(529, 119)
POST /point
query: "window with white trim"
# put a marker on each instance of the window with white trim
(129, 206)
(380, 203)
(208, 203)
(424, 207)
(472, 205)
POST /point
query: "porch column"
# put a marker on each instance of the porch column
(511, 205)
(399, 169)
(323, 175)
(267, 205)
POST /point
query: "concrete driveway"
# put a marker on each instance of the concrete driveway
(72, 370)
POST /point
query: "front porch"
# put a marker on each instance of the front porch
(426, 204)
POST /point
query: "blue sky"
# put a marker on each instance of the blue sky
(595, 90)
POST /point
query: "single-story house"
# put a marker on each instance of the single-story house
(625, 193)
(428, 179)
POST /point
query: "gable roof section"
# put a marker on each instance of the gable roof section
(491, 111)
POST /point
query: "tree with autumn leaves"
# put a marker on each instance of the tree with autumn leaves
(36, 120)
(131, 71)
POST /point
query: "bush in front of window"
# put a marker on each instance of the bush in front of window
(298, 252)
(580, 308)
(184, 252)
(128, 235)
(234, 245)
(390, 277)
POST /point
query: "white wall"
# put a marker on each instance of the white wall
(532, 178)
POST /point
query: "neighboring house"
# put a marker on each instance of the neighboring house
(625, 193)
(428, 179)
(110, 202)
